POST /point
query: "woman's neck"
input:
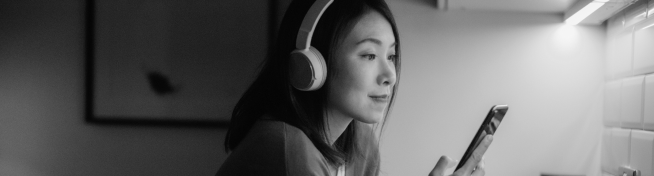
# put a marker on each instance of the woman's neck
(336, 125)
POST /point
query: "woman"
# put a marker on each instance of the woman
(278, 129)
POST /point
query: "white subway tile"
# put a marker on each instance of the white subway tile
(642, 152)
(621, 58)
(648, 103)
(643, 44)
(607, 159)
(631, 102)
(620, 148)
(612, 103)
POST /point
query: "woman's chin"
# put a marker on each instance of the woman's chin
(371, 119)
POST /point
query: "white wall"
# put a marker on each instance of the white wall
(42, 128)
(457, 64)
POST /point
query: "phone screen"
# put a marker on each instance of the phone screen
(489, 126)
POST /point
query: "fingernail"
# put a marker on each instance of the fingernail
(490, 137)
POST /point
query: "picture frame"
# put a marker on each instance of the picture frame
(172, 62)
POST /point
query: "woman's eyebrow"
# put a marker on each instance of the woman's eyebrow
(375, 41)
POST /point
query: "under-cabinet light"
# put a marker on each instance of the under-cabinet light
(584, 12)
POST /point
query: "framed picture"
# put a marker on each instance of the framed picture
(172, 62)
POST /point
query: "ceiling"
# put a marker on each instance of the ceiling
(536, 6)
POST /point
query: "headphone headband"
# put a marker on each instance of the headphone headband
(304, 35)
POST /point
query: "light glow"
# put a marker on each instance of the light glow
(584, 12)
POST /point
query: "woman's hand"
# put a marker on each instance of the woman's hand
(473, 167)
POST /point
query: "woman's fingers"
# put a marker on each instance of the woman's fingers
(480, 170)
(443, 163)
(475, 165)
(476, 157)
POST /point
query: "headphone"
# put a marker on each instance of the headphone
(308, 70)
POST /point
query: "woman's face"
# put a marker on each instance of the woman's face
(362, 85)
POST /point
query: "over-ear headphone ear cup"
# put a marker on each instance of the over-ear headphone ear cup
(308, 70)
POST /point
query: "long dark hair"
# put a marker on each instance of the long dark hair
(271, 93)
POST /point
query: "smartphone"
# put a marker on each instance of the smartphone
(489, 126)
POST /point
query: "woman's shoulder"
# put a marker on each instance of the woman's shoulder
(275, 148)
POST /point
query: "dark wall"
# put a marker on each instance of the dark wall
(42, 127)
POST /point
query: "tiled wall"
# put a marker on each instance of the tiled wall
(628, 138)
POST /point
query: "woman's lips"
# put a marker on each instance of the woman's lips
(380, 98)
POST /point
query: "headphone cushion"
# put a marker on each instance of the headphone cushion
(308, 70)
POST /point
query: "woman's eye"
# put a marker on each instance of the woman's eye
(370, 56)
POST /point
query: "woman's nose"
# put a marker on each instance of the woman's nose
(387, 74)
